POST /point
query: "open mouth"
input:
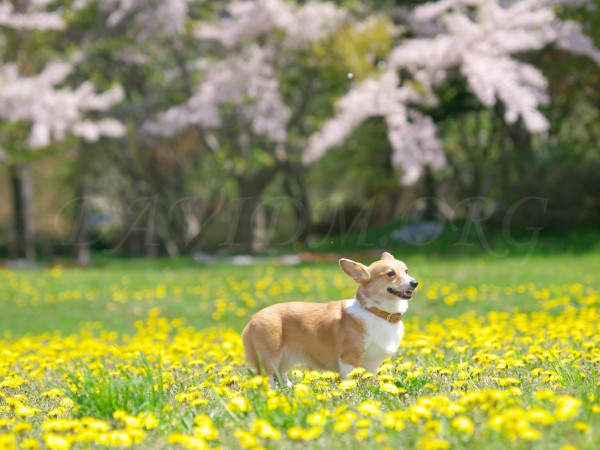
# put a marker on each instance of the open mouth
(402, 294)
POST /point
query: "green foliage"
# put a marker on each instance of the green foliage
(359, 49)
(100, 393)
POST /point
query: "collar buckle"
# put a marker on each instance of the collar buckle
(394, 317)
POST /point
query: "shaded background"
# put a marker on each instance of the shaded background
(173, 128)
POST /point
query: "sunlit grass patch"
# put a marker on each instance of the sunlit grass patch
(99, 392)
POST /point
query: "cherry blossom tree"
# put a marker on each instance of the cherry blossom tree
(481, 39)
(38, 109)
(238, 105)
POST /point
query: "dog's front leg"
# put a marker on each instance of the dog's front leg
(372, 365)
(347, 363)
(345, 369)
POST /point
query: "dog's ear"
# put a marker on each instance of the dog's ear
(387, 255)
(356, 270)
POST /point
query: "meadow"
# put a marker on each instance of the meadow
(499, 353)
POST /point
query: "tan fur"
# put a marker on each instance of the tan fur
(318, 333)
(323, 336)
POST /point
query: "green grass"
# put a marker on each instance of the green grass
(100, 393)
(121, 292)
(498, 337)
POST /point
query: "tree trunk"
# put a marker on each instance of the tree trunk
(295, 187)
(22, 192)
(249, 238)
(82, 236)
(431, 210)
(251, 232)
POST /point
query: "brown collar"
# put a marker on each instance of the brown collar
(390, 317)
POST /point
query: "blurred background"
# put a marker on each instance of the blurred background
(147, 128)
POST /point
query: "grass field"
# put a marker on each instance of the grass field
(498, 353)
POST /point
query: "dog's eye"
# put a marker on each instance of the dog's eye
(406, 270)
(391, 273)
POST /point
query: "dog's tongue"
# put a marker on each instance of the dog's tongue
(402, 294)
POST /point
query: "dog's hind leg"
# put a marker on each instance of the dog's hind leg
(262, 349)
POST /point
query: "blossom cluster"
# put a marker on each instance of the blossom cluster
(251, 20)
(56, 112)
(478, 38)
(44, 100)
(33, 15)
(234, 81)
(256, 35)
(166, 17)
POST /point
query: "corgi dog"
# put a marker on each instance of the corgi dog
(338, 336)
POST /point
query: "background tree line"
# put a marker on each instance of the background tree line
(167, 127)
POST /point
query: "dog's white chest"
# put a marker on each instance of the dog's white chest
(382, 338)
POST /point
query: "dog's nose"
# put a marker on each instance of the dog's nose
(414, 283)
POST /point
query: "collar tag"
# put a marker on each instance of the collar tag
(394, 317)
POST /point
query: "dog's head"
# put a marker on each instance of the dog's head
(386, 280)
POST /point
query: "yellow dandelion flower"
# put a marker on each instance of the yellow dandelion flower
(385, 367)
(257, 381)
(544, 394)
(433, 444)
(301, 390)
(8, 442)
(529, 434)
(147, 421)
(346, 385)
(463, 424)
(265, 430)
(96, 425)
(394, 420)
(116, 438)
(56, 412)
(53, 393)
(57, 442)
(384, 377)
(247, 439)
(363, 423)
(341, 426)
(370, 408)
(495, 422)
(239, 403)
(205, 428)
(317, 418)
(191, 442)
(357, 373)
(136, 435)
(7, 422)
(417, 412)
(306, 434)
(433, 427)
(66, 402)
(540, 416)
(344, 421)
(127, 419)
(30, 444)
(25, 411)
(390, 388)
(566, 407)
(60, 425)
(362, 434)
